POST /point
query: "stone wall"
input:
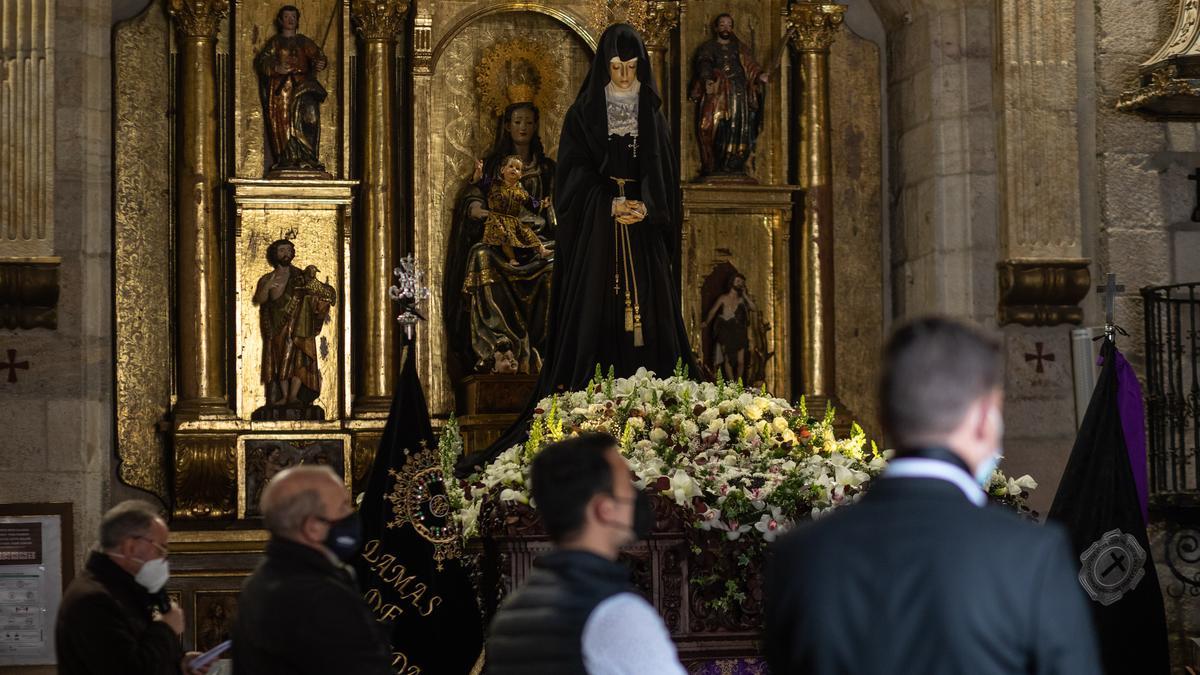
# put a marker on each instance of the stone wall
(943, 88)
(1144, 198)
(57, 416)
(1144, 232)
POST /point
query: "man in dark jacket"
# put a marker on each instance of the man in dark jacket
(300, 613)
(114, 618)
(577, 612)
(921, 576)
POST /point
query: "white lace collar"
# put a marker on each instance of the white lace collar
(622, 109)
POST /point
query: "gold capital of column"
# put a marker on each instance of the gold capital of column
(814, 26)
(662, 16)
(379, 19)
(197, 18)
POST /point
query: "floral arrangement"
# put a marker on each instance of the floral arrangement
(733, 460)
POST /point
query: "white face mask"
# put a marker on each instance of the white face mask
(153, 575)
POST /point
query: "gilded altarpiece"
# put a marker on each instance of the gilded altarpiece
(194, 461)
(440, 118)
(406, 116)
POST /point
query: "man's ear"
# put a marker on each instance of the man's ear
(981, 420)
(310, 529)
(601, 509)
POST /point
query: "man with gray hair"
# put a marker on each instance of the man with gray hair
(115, 618)
(300, 613)
(920, 576)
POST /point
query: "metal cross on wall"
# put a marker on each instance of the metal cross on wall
(1110, 290)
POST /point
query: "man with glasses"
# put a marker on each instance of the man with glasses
(115, 618)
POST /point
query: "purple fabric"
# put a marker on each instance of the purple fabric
(732, 667)
(1133, 427)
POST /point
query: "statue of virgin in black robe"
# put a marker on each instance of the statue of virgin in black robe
(595, 262)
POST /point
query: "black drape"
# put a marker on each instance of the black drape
(1098, 503)
(433, 615)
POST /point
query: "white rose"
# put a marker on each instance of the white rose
(657, 435)
(690, 428)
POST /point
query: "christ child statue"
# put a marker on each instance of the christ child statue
(504, 227)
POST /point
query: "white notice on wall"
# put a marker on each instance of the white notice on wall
(30, 588)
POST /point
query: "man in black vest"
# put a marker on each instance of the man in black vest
(922, 576)
(578, 612)
(300, 613)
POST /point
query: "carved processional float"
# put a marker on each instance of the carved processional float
(274, 163)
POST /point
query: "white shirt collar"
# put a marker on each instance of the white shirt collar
(920, 467)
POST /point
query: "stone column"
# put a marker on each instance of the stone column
(813, 28)
(661, 18)
(378, 22)
(1043, 275)
(201, 301)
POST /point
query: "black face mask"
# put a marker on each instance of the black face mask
(345, 536)
(643, 516)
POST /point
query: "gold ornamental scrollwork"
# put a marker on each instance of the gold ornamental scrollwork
(662, 16)
(420, 500)
(517, 71)
(814, 26)
(654, 19)
(197, 18)
(379, 19)
(205, 476)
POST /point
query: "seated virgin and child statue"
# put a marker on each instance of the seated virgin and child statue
(500, 258)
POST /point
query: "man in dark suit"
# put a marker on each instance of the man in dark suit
(115, 618)
(300, 613)
(922, 576)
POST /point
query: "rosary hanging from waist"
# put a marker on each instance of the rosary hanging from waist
(624, 276)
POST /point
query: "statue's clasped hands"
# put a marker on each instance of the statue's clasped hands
(629, 211)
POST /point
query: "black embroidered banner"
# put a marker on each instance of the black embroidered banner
(410, 569)
(1098, 501)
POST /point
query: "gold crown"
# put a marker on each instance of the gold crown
(521, 93)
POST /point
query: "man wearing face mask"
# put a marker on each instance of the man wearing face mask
(115, 617)
(577, 612)
(300, 613)
(922, 576)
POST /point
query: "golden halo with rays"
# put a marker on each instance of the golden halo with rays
(515, 71)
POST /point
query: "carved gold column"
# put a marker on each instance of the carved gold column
(201, 303)
(662, 16)
(813, 27)
(378, 23)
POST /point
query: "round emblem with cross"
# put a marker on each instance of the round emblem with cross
(1112, 566)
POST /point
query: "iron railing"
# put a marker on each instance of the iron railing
(1172, 315)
